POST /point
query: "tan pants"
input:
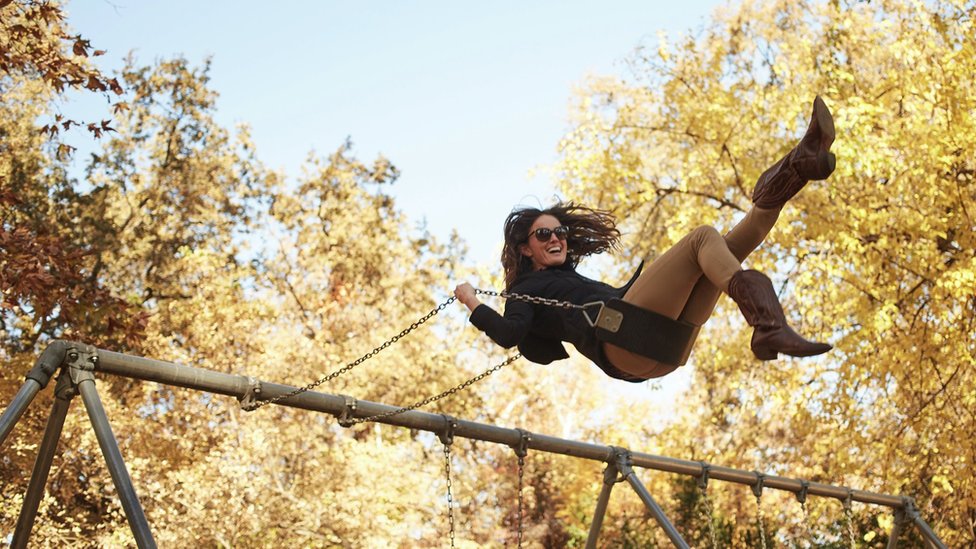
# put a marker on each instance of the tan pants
(686, 281)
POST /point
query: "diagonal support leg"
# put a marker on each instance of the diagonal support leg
(81, 374)
(13, 412)
(42, 465)
(609, 479)
(624, 465)
(37, 379)
(929, 535)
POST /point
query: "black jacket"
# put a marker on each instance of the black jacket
(539, 330)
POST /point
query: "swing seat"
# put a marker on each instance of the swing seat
(644, 332)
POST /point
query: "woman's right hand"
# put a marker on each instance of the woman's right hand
(465, 293)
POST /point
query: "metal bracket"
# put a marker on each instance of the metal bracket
(757, 488)
(801, 496)
(348, 415)
(80, 360)
(447, 435)
(522, 448)
(848, 500)
(703, 478)
(599, 313)
(248, 401)
(64, 388)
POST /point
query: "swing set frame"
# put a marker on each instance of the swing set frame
(76, 364)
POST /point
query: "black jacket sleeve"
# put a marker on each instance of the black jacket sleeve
(507, 331)
(514, 329)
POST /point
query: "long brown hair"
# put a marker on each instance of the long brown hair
(591, 231)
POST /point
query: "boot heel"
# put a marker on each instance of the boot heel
(764, 353)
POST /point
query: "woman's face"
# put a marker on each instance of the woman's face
(550, 250)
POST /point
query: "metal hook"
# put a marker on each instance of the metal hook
(249, 402)
(801, 496)
(703, 478)
(447, 436)
(848, 500)
(757, 488)
(347, 417)
(522, 449)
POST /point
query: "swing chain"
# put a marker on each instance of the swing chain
(255, 405)
(707, 511)
(535, 300)
(521, 451)
(435, 398)
(801, 496)
(757, 489)
(447, 439)
(849, 515)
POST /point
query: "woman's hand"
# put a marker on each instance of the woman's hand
(465, 294)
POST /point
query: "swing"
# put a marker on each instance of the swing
(628, 326)
(644, 332)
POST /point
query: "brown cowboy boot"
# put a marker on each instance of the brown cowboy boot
(754, 293)
(810, 160)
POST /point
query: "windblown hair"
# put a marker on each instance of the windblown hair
(591, 231)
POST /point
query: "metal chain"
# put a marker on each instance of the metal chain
(757, 489)
(251, 406)
(759, 519)
(536, 300)
(708, 515)
(450, 497)
(801, 496)
(356, 362)
(806, 522)
(849, 515)
(435, 398)
(521, 473)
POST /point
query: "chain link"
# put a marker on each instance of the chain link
(358, 361)
(759, 519)
(849, 515)
(806, 523)
(521, 474)
(536, 300)
(450, 497)
(251, 406)
(435, 398)
(708, 515)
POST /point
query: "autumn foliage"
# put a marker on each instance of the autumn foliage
(179, 244)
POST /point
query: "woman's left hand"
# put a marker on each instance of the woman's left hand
(465, 293)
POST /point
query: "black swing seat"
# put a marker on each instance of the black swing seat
(644, 332)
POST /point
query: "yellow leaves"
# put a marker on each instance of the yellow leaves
(940, 484)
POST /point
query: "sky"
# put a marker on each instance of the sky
(469, 100)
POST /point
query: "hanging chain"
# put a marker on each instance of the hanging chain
(358, 361)
(801, 496)
(254, 405)
(849, 515)
(759, 519)
(435, 398)
(757, 489)
(450, 497)
(707, 511)
(535, 300)
(521, 474)
(521, 451)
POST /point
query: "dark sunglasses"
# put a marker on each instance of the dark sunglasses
(543, 235)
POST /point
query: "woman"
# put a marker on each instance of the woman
(543, 247)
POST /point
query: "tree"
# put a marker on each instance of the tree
(879, 259)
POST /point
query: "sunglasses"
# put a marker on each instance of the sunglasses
(544, 234)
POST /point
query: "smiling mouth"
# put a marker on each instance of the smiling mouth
(555, 249)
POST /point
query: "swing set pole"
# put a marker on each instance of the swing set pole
(244, 387)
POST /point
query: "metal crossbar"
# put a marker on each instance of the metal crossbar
(77, 362)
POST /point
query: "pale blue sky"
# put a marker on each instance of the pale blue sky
(465, 98)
